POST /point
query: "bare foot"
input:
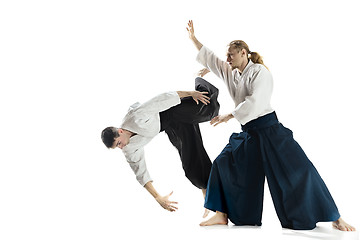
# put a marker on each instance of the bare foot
(218, 219)
(206, 213)
(342, 225)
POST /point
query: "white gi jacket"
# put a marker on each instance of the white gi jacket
(251, 90)
(144, 120)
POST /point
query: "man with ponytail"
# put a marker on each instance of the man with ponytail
(264, 148)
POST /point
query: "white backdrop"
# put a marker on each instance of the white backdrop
(68, 69)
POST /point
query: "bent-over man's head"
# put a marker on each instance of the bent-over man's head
(114, 137)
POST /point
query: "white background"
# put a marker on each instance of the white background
(68, 69)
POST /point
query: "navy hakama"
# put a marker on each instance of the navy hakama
(267, 148)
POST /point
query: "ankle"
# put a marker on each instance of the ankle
(224, 215)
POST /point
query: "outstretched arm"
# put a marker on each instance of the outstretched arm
(210, 61)
(137, 163)
(192, 37)
(162, 200)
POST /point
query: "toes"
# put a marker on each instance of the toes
(203, 224)
(343, 228)
(351, 228)
(346, 228)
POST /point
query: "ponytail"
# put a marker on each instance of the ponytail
(254, 56)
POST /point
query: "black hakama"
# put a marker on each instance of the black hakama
(181, 124)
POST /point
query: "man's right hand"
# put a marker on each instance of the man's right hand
(166, 203)
(190, 29)
(203, 72)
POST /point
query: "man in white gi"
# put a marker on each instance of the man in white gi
(178, 114)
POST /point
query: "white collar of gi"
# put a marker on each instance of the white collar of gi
(247, 66)
(135, 105)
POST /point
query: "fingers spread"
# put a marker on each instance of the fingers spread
(172, 208)
(215, 119)
(204, 101)
(204, 96)
(217, 123)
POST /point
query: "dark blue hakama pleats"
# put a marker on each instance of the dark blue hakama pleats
(267, 148)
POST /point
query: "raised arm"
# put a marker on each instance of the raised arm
(192, 37)
(210, 61)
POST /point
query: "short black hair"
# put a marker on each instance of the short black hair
(108, 136)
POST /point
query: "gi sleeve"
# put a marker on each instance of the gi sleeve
(219, 67)
(161, 102)
(137, 163)
(261, 86)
